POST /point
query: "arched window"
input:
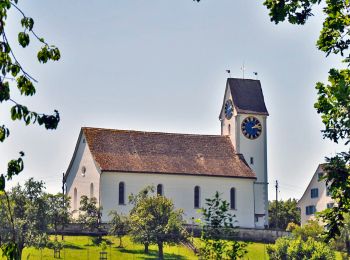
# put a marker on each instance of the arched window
(91, 190)
(121, 193)
(160, 189)
(196, 197)
(75, 199)
(229, 129)
(233, 198)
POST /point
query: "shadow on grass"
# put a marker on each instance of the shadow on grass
(153, 254)
(72, 246)
(96, 241)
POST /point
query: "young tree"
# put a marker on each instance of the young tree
(157, 215)
(13, 75)
(25, 221)
(140, 233)
(218, 228)
(57, 211)
(120, 226)
(90, 214)
(287, 212)
(333, 101)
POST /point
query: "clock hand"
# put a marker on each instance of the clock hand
(257, 126)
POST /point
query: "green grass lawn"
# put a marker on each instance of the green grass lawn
(81, 247)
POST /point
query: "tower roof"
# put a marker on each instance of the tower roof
(247, 96)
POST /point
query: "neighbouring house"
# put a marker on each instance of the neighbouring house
(111, 164)
(316, 197)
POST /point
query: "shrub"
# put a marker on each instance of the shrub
(296, 248)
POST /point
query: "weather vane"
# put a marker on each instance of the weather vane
(229, 73)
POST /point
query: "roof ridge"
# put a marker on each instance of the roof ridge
(148, 132)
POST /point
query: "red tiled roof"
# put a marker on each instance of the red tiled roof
(149, 152)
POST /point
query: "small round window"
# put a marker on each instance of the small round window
(83, 171)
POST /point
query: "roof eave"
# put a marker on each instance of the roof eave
(180, 173)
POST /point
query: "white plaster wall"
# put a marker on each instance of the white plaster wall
(179, 188)
(320, 202)
(256, 148)
(75, 178)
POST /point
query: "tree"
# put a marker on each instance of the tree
(25, 221)
(219, 224)
(57, 211)
(287, 212)
(90, 214)
(140, 233)
(14, 75)
(157, 215)
(333, 102)
(120, 226)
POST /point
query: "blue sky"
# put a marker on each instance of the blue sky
(160, 66)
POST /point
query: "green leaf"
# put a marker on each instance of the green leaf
(25, 86)
(23, 39)
(4, 133)
(27, 23)
(43, 54)
(4, 91)
(2, 182)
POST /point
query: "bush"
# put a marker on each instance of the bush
(296, 248)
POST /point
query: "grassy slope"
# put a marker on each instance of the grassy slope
(81, 247)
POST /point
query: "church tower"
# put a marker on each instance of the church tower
(243, 118)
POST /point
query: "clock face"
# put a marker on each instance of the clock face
(251, 127)
(228, 109)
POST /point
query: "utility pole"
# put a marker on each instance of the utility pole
(63, 203)
(276, 186)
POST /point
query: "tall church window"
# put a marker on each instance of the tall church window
(196, 197)
(75, 199)
(160, 189)
(229, 129)
(121, 193)
(91, 190)
(233, 198)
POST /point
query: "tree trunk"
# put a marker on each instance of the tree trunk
(160, 251)
(146, 248)
(347, 243)
(120, 242)
(19, 253)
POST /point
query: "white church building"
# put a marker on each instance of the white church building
(111, 164)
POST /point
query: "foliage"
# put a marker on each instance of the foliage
(296, 248)
(311, 229)
(25, 221)
(218, 224)
(163, 224)
(287, 212)
(57, 210)
(13, 73)
(333, 101)
(120, 226)
(139, 233)
(90, 213)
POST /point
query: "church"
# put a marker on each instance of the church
(110, 164)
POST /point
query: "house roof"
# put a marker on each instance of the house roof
(247, 96)
(320, 168)
(166, 153)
